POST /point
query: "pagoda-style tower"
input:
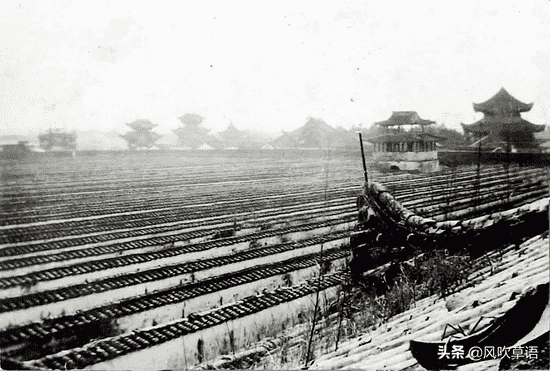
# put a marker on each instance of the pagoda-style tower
(405, 144)
(234, 138)
(502, 127)
(141, 136)
(192, 134)
(285, 141)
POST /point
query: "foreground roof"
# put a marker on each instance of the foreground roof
(404, 118)
(494, 293)
(502, 103)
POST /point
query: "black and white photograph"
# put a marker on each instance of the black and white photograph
(289, 185)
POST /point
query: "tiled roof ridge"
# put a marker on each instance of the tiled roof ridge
(17, 262)
(64, 228)
(502, 100)
(9, 251)
(517, 275)
(271, 345)
(465, 180)
(110, 348)
(404, 118)
(443, 178)
(113, 262)
(259, 349)
(181, 208)
(166, 297)
(384, 202)
(394, 180)
(78, 290)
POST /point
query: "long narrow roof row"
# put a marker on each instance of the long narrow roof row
(127, 246)
(110, 348)
(37, 332)
(42, 298)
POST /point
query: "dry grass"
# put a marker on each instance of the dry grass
(361, 307)
(365, 309)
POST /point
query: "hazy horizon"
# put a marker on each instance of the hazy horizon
(266, 67)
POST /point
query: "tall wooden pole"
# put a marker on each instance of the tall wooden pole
(363, 157)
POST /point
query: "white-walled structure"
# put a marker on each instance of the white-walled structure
(401, 149)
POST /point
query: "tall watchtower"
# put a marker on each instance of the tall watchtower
(502, 127)
(191, 134)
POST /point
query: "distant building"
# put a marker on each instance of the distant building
(57, 140)
(141, 136)
(405, 144)
(502, 127)
(193, 135)
(15, 151)
(285, 140)
(316, 133)
(234, 138)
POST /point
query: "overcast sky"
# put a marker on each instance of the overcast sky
(266, 65)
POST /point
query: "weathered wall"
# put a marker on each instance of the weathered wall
(449, 158)
(405, 156)
(425, 162)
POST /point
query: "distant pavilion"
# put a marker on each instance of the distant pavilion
(191, 134)
(502, 127)
(141, 136)
(58, 139)
(405, 144)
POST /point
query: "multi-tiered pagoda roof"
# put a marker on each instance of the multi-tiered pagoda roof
(405, 144)
(141, 124)
(402, 118)
(193, 135)
(141, 135)
(502, 124)
(235, 138)
(502, 102)
(396, 128)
